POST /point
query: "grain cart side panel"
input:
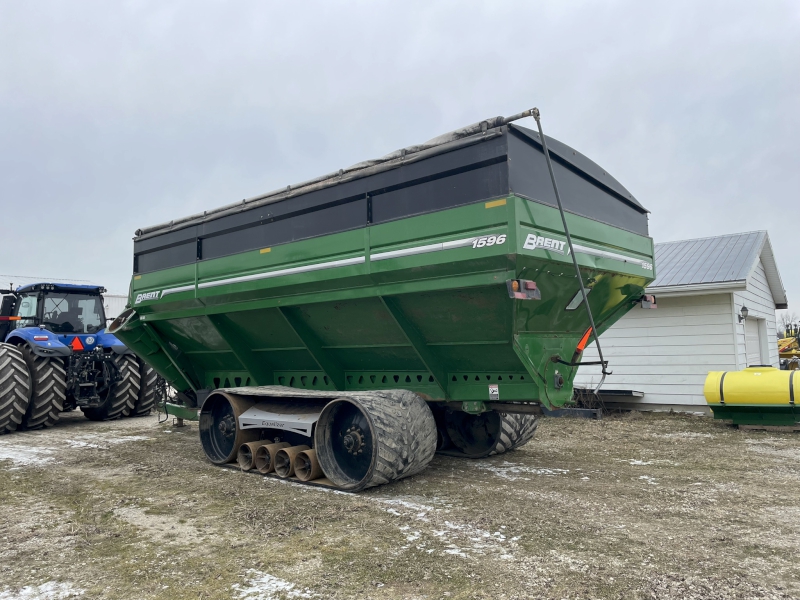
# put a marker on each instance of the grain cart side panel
(395, 274)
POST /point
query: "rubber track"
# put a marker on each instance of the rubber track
(406, 433)
(515, 431)
(147, 390)
(48, 390)
(15, 388)
(123, 395)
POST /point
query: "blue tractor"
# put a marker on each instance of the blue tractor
(55, 356)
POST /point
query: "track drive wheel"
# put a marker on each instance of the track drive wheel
(15, 388)
(121, 397)
(479, 436)
(147, 390)
(368, 439)
(48, 389)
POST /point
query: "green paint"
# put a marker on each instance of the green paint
(439, 323)
(179, 411)
(784, 415)
(474, 407)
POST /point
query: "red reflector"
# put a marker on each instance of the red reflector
(76, 344)
(10, 318)
(40, 338)
(584, 340)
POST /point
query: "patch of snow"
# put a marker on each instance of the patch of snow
(263, 586)
(685, 434)
(514, 471)
(634, 462)
(80, 444)
(648, 479)
(52, 590)
(25, 455)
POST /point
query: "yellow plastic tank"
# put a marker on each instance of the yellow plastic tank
(754, 386)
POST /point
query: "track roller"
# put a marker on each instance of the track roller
(246, 457)
(220, 436)
(284, 460)
(265, 456)
(306, 466)
(371, 438)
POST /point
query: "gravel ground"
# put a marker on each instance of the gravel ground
(638, 506)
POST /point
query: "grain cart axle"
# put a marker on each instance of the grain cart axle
(352, 325)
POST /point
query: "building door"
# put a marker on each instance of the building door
(753, 342)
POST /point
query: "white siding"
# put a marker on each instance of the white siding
(114, 305)
(761, 306)
(667, 353)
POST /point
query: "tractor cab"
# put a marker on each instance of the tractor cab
(65, 310)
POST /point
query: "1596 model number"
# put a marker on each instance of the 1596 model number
(489, 240)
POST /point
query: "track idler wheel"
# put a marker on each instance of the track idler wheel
(368, 439)
(220, 435)
(284, 460)
(265, 456)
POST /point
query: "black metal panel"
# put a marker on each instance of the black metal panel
(582, 164)
(173, 256)
(452, 179)
(343, 217)
(461, 188)
(528, 177)
(492, 168)
(165, 239)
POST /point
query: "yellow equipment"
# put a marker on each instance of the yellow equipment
(789, 348)
(754, 396)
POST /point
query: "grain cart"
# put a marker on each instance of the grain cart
(58, 356)
(427, 300)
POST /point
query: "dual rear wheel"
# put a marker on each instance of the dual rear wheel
(33, 390)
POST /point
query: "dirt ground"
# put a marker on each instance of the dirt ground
(637, 506)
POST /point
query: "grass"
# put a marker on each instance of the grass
(646, 506)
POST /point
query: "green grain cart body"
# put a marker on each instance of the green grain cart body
(396, 274)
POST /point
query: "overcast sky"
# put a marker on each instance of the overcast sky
(119, 115)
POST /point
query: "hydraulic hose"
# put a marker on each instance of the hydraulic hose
(603, 364)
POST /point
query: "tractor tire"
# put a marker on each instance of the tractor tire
(395, 430)
(147, 391)
(15, 388)
(480, 436)
(48, 390)
(122, 396)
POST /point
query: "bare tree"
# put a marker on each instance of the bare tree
(784, 320)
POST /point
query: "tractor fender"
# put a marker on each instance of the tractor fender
(109, 341)
(40, 347)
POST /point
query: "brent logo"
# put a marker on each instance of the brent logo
(147, 296)
(538, 242)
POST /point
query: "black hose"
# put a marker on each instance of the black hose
(536, 115)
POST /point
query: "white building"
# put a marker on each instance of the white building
(664, 355)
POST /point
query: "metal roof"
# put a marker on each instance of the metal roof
(716, 263)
